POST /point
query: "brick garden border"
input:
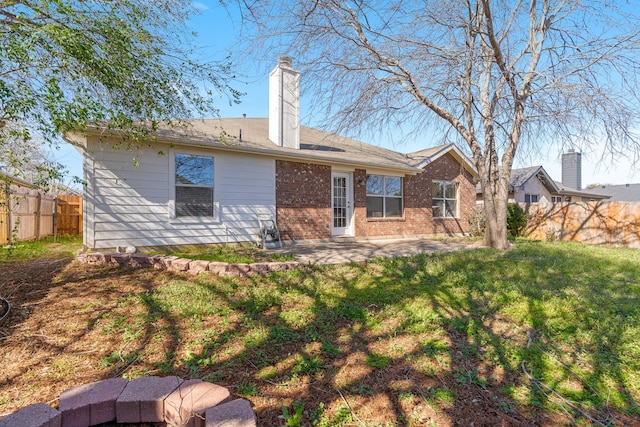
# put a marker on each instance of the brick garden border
(174, 263)
(168, 400)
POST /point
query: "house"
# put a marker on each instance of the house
(533, 184)
(208, 182)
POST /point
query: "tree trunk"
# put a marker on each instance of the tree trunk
(495, 210)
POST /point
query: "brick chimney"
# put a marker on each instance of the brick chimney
(572, 169)
(284, 104)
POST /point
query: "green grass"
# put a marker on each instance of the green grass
(544, 327)
(62, 246)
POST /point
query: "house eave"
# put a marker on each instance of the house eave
(583, 194)
(276, 153)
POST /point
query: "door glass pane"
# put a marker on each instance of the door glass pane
(339, 201)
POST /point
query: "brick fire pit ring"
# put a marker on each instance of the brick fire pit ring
(169, 401)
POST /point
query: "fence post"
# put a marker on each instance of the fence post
(55, 219)
(7, 214)
(38, 215)
(7, 200)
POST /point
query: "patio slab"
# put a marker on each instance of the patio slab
(344, 250)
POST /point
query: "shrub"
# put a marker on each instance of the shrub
(476, 222)
(516, 220)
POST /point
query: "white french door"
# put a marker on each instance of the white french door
(341, 204)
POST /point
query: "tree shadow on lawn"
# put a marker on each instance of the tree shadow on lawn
(531, 336)
(60, 332)
(516, 344)
(432, 338)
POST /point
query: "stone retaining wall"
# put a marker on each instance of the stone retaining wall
(169, 401)
(174, 263)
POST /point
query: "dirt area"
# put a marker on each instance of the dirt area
(49, 345)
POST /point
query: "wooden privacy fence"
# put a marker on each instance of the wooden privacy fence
(69, 215)
(27, 214)
(609, 223)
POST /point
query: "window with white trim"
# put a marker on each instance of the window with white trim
(531, 198)
(384, 196)
(194, 186)
(444, 199)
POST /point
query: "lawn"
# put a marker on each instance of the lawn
(544, 334)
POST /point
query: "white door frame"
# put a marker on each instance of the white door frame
(342, 204)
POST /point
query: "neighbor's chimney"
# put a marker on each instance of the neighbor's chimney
(284, 104)
(572, 169)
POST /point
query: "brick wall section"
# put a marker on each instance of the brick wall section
(447, 168)
(417, 210)
(417, 218)
(303, 200)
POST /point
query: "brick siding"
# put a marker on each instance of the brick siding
(417, 218)
(447, 168)
(303, 200)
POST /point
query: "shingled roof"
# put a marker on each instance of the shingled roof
(251, 135)
(620, 193)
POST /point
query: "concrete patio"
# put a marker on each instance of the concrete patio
(341, 250)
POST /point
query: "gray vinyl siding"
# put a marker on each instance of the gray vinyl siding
(132, 205)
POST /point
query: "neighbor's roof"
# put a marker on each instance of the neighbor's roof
(621, 193)
(251, 135)
(519, 177)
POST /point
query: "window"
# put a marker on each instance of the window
(384, 196)
(556, 199)
(194, 186)
(531, 198)
(444, 199)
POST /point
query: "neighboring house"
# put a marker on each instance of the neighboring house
(620, 193)
(207, 183)
(533, 184)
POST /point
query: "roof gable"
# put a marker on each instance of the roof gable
(520, 177)
(422, 158)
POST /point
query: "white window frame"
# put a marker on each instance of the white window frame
(530, 198)
(215, 217)
(444, 199)
(385, 196)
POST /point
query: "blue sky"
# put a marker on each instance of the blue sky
(217, 36)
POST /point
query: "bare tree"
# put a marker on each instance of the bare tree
(496, 76)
